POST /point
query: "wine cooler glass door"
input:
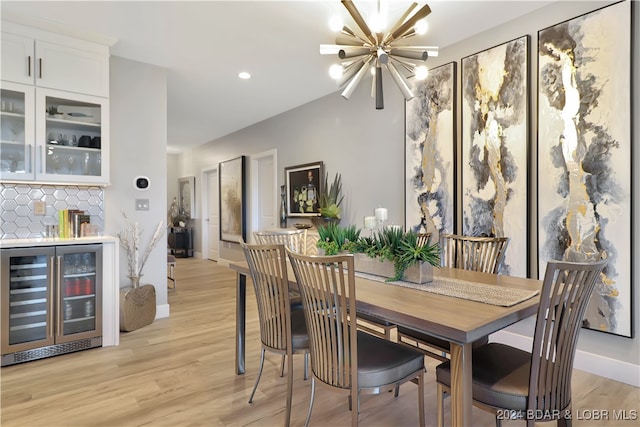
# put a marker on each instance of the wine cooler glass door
(80, 292)
(27, 299)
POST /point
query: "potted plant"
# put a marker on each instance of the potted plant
(329, 201)
(391, 252)
(138, 302)
(52, 110)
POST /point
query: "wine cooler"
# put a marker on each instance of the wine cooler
(51, 301)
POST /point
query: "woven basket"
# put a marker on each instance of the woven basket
(137, 307)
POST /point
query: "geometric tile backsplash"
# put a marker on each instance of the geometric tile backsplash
(17, 218)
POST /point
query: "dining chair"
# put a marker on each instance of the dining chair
(343, 357)
(296, 240)
(282, 325)
(483, 254)
(534, 386)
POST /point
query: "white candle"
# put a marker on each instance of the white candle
(381, 214)
(369, 222)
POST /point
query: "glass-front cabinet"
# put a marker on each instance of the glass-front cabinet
(64, 138)
(51, 301)
(16, 131)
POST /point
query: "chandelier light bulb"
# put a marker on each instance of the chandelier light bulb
(421, 72)
(421, 27)
(335, 71)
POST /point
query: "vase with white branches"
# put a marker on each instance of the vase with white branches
(130, 240)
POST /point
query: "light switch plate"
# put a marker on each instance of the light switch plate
(142, 204)
(39, 207)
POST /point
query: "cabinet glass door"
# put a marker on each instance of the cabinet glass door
(16, 131)
(27, 300)
(70, 136)
(80, 308)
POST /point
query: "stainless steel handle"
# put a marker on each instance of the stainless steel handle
(40, 67)
(29, 65)
(58, 299)
(52, 282)
(29, 146)
(40, 159)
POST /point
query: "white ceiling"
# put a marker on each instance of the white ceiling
(204, 44)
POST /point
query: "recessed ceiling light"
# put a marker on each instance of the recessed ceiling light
(244, 75)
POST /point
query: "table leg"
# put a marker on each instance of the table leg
(241, 306)
(461, 385)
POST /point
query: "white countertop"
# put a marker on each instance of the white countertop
(51, 241)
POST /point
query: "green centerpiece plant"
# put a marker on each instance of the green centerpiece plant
(329, 201)
(391, 244)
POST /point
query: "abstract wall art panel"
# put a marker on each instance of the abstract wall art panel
(430, 153)
(584, 155)
(495, 135)
(232, 200)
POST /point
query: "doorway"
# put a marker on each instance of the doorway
(211, 211)
(264, 185)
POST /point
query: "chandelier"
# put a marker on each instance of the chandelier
(371, 48)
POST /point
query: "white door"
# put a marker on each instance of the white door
(266, 198)
(213, 227)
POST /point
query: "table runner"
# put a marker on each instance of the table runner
(473, 291)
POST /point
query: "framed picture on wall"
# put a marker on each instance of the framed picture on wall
(232, 200)
(186, 192)
(304, 186)
(430, 149)
(584, 155)
(495, 148)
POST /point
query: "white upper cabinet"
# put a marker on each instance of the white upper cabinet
(74, 70)
(17, 59)
(54, 61)
(55, 108)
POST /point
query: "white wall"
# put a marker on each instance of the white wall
(367, 147)
(173, 173)
(138, 99)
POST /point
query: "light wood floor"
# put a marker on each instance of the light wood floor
(179, 371)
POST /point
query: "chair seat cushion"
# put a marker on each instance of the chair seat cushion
(299, 335)
(438, 343)
(382, 362)
(500, 376)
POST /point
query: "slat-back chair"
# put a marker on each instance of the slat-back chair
(282, 327)
(534, 386)
(296, 240)
(483, 254)
(343, 357)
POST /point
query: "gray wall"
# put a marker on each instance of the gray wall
(138, 97)
(367, 147)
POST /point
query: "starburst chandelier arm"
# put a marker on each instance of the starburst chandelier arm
(353, 51)
(347, 40)
(409, 66)
(409, 23)
(347, 31)
(401, 82)
(420, 55)
(399, 22)
(377, 87)
(359, 20)
(346, 93)
(349, 71)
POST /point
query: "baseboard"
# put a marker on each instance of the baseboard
(162, 311)
(596, 364)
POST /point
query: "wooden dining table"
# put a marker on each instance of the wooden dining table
(459, 321)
